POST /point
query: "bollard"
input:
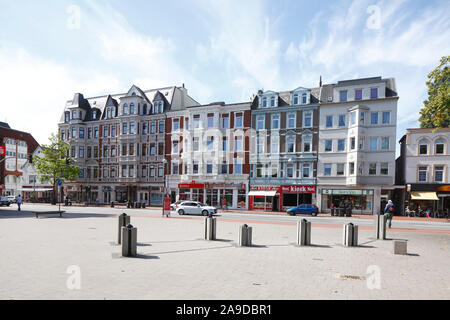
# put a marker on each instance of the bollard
(143, 205)
(210, 228)
(245, 236)
(303, 233)
(350, 235)
(124, 220)
(380, 226)
(128, 204)
(129, 241)
(400, 247)
(112, 204)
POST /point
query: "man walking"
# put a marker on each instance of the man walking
(19, 202)
(389, 212)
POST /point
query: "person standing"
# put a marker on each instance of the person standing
(19, 202)
(389, 212)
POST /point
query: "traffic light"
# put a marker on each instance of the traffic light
(30, 158)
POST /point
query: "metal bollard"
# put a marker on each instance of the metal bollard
(143, 205)
(303, 233)
(124, 220)
(350, 235)
(380, 226)
(245, 236)
(210, 228)
(112, 204)
(129, 241)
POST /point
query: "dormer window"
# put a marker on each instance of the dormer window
(264, 102)
(67, 117)
(304, 98)
(94, 114)
(125, 109)
(272, 101)
(373, 93)
(295, 99)
(144, 108)
(74, 114)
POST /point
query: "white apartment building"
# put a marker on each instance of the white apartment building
(423, 168)
(357, 135)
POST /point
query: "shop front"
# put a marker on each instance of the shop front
(435, 197)
(361, 201)
(280, 198)
(293, 196)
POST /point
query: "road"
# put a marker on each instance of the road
(324, 221)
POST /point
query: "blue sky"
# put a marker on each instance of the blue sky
(221, 50)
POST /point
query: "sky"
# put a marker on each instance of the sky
(221, 50)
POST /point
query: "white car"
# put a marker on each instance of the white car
(12, 199)
(194, 207)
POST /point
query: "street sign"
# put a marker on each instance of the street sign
(59, 183)
(2, 150)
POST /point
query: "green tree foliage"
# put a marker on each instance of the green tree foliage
(52, 165)
(436, 112)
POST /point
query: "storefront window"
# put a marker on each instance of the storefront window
(361, 201)
(241, 198)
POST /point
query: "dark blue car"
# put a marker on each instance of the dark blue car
(304, 209)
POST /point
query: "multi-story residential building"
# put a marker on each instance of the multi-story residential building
(18, 146)
(423, 168)
(208, 153)
(357, 135)
(118, 141)
(283, 155)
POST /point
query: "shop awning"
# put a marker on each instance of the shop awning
(35, 189)
(261, 193)
(424, 196)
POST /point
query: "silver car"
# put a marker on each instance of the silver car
(194, 207)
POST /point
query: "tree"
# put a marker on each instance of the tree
(436, 112)
(55, 164)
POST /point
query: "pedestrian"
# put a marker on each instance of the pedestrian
(389, 212)
(19, 202)
(408, 212)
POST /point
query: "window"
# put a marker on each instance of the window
(291, 118)
(74, 114)
(152, 149)
(175, 168)
(260, 122)
(225, 123)
(124, 128)
(161, 148)
(327, 169)
(259, 144)
(105, 172)
(307, 140)
(66, 117)
(209, 168)
(105, 151)
(385, 143)
(176, 125)
(105, 131)
(275, 145)
(160, 166)
(125, 109)
(361, 143)
(112, 172)
(386, 117)
(272, 101)
(374, 118)
(195, 144)
(352, 143)
(89, 152)
(290, 170)
(113, 151)
(196, 121)
(264, 102)
(195, 167)
(63, 134)
(211, 121)
(352, 167)
(131, 108)
(237, 144)
(306, 170)
(328, 145)
(145, 128)
(131, 153)
(358, 94)
(307, 119)
(295, 99)
(237, 166)
(132, 126)
(329, 121)
(304, 98)
(275, 122)
(372, 168)
(373, 93)
(290, 144)
(186, 123)
(95, 152)
(362, 117)
(384, 168)
(422, 174)
(161, 127)
(144, 108)
(224, 144)
(343, 96)
(342, 120)
(89, 133)
(274, 169)
(439, 146)
(341, 145)
(373, 144)
(340, 169)
(210, 143)
(81, 133)
(81, 152)
(438, 173)
(224, 167)
(353, 118)
(152, 171)
(239, 121)
(175, 147)
(74, 132)
(153, 127)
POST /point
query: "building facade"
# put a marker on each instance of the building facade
(423, 169)
(283, 154)
(118, 142)
(208, 151)
(357, 134)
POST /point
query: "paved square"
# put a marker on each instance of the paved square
(174, 262)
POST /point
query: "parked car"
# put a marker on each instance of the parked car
(304, 208)
(4, 201)
(175, 205)
(194, 207)
(11, 199)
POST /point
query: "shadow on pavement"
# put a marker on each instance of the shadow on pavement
(8, 214)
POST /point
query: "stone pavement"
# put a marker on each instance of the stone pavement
(175, 263)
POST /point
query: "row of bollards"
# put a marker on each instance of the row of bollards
(136, 205)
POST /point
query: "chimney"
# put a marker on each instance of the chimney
(320, 81)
